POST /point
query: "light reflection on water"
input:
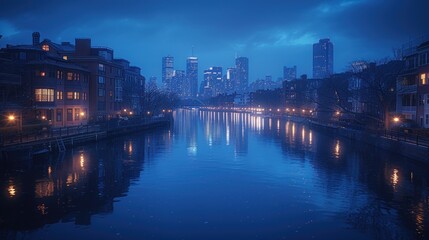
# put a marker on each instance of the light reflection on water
(217, 175)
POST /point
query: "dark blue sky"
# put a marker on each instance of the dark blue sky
(272, 33)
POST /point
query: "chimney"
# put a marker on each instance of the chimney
(36, 38)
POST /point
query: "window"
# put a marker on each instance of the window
(427, 119)
(44, 95)
(69, 114)
(76, 114)
(59, 115)
(118, 90)
(59, 74)
(101, 80)
(45, 47)
(101, 92)
(59, 95)
(424, 79)
(73, 95)
(70, 95)
(65, 58)
(76, 76)
(84, 96)
(69, 76)
(101, 67)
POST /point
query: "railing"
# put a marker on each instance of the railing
(412, 136)
(419, 139)
(24, 137)
(12, 138)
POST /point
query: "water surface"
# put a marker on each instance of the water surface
(217, 175)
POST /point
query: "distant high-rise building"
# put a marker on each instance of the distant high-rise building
(179, 84)
(323, 59)
(242, 74)
(167, 72)
(213, 82)
(152, 83)
(289, 73)
(229, 80)
(192, 76)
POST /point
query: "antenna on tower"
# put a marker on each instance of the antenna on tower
(193, 50)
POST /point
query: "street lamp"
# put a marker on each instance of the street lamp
(396, 119)
(11, 118)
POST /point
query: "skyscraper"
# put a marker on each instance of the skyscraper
(213, 82)
(192, 76)
(167, 72)
(289, 73)
(230, 80)
(242, 74)
(179, 83)
(323, 59)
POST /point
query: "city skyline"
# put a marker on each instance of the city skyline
(260, 32)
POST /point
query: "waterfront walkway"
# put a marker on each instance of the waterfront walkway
(55, 139)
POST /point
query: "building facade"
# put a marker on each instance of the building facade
(106, 79)
(55, 91)
(413, 87)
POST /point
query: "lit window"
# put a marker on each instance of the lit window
(100, 79)
(59, 95)
(44, 95)
(45, 47)
(76, 114)
(65, 57)
(73, 95)
(69, 76)
(423, 78)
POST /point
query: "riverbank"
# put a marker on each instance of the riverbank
(57, 141)
(410, 148)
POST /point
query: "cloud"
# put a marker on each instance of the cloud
(144, 31)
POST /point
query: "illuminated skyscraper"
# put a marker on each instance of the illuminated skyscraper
(213, 82)
(323, 59)
(192, 76)
(167, 72)
(242, 74)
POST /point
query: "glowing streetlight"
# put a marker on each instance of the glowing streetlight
(82, 114)
(148, 113)
(131, 113)
(396, 119)
(43, 117)
(11, 118)
(337, 112)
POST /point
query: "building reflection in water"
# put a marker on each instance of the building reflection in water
(74, 186)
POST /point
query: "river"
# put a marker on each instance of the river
(216, 175)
